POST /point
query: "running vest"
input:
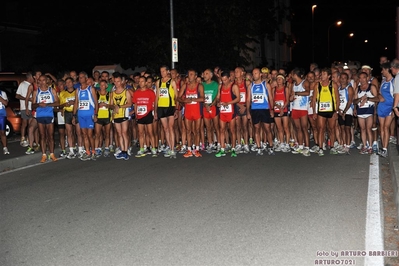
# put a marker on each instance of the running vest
(243, 92)
(368, 107)
(259, 96)
(279, 99)
(44, 97)
(325, 98)
(120, 99)
(300, 102)
(192, 94)
(386, 91)
(166, 94)
(210, 91)
(103, 112)
(227, 96)
(343, 100)
(85, 102)
(66, 96)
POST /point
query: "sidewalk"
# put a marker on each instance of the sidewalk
(394, 166)
(17, 157)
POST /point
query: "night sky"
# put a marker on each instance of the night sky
(80, 35)
(374, 22)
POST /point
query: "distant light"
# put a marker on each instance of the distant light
(386, 48)
(366, 40)
(339, 23)
(351, 34)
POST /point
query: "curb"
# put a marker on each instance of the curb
(22, 161)
(394, 169)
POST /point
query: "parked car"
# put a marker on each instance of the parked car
(9, 83)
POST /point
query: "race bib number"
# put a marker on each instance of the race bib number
(208, 98)
(325, 107)
(163, 93)
(45, 98)
(278, 104)
(84, 105)
(342, 99)
(141, 109)
(242, 97)
(192, 96)
(226, 109)
(69, 99)
(103, 107)
(258, 98)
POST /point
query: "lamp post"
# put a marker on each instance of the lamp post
(338, 23)
(313, 8)
(343, 41)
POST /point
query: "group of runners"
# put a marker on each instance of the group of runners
(220, 111)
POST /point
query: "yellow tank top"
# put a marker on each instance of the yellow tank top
(103, 112)
(66, 96)
(326, 99)
(166, 94)
(120, 98)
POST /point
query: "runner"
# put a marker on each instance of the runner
(192, 96)
(228, 96)
(44, 100)
(260, 109)
(144, 101)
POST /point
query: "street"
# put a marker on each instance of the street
(250, 210)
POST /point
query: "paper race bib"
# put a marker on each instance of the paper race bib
(84, 105)
(163, 93)
(226, 109)
(192, 96)
(243, 97)
(46, 98)
(141, 109)
(208, 98)
(258, 98)
(325, 107)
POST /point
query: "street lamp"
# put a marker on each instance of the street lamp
(338, 23)
(350, 35)
(313, 8)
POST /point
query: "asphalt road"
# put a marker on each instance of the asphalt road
(249, 210)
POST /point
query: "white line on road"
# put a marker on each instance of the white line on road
(374, 229)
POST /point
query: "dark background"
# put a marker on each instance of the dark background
(79, 35)
(372, 21)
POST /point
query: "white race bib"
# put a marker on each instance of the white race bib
(141, 109)
(242, 97)
(258, 98)
(325, 107)
(226, 109)
(208, 98)
(192, 96)
(46, 98)
(84, 105)
(163, 93)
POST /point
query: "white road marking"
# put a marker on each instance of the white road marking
(374, 225)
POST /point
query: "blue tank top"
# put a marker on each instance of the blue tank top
(259, 96)
(3, 111)
(85, 102)
(368, 107)
(386, 91)
(44, 97)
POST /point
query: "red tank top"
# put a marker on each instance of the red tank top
(192, 94)
(243, 92)
(279, 99)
